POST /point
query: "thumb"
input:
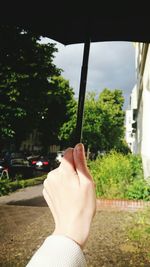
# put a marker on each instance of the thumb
(80, 162)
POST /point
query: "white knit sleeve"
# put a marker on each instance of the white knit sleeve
(58, 251)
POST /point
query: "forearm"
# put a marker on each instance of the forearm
(58, 251)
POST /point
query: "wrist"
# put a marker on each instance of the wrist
(69, 237)
(79, 238)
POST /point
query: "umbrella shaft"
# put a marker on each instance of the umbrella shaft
(83, 80)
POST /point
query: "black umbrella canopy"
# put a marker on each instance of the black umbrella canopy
(96, 23)
(72, 22)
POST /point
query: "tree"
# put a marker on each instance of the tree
(25, 66)
(103, 122)
(59, 109)
(111, 104)
(67, 131)
(92, 123)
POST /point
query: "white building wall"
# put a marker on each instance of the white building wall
(139, 132)
(140, 108)
(128, 125)
(143, 110)
(129, 120)
(145, 148)
(134, 99)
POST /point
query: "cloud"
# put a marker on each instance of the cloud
(111, 65)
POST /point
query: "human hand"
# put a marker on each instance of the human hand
(70, 194)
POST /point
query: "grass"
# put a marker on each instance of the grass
(139, 232)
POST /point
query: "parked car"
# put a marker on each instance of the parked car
(20, 167)
(52, 159)
(3, 169)
(40, 163)
(2, 165)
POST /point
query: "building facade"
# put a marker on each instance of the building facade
(140, 108)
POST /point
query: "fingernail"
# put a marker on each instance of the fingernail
(79, 147)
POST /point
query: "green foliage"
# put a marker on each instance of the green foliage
(25, 66)
(103, 127)
(139, 231)
(60, 105)
(103, 122)
(138, 189)
(4, 187)
(7, 186)
(33, 95)
(111, 173)
(92, 124)
(67, 131)
(119, 176)
(136, 163)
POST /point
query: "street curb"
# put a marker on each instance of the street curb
(128, 205)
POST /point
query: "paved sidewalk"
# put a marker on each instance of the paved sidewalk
(32, 196)
(23, 195)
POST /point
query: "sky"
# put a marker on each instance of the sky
(111, 65)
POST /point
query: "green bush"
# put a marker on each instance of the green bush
(138, 189)
(6, 186)
(119, 176)
(136, 165)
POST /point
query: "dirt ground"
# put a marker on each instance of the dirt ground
(24, 226)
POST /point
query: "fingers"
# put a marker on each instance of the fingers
(67, 162)
(80, 162)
